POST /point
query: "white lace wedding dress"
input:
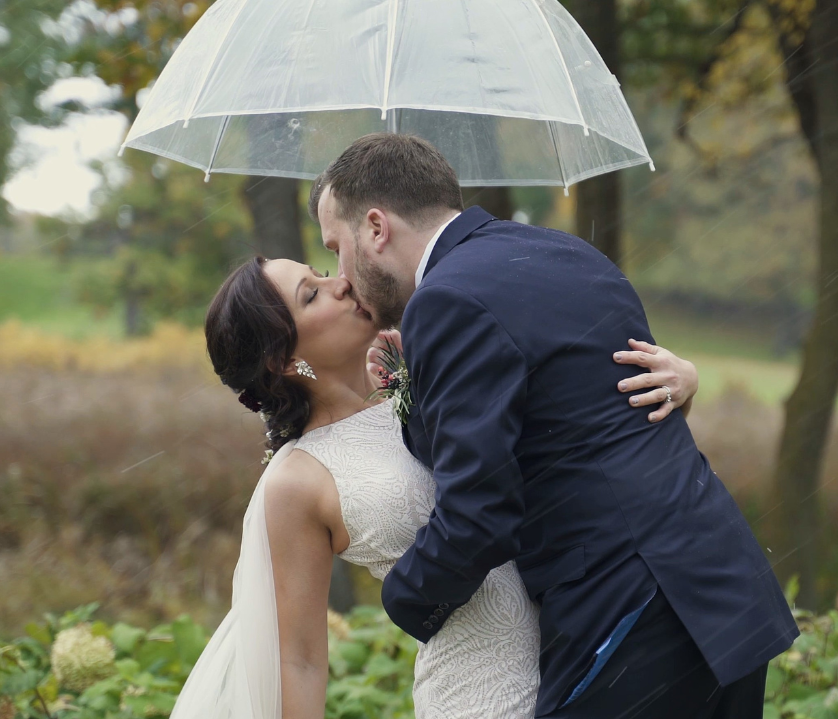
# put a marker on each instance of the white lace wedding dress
(484, 661)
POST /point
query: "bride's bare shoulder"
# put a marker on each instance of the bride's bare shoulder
(299, 477)
(300, 493)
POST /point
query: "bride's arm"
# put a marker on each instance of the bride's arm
(297, 510)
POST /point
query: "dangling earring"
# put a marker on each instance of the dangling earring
(304, 369)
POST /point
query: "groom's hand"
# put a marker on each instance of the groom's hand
(665, 370)
(373, 353)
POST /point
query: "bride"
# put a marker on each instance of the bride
(293, 344)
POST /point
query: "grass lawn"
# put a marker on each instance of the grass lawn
(726, 356)
(770, 382)
(38, 290)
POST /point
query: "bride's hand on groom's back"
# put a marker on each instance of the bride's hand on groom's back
(666, 370)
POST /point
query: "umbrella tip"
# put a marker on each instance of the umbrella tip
(585, 130)
(566, 192)
(651, 165)
(185, 123)
(207, 176)
(121, 151)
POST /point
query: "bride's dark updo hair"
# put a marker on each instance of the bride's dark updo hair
(251, 336)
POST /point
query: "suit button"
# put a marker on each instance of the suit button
(427, 625)
(439, 612)
(443, 606)
(433, 619)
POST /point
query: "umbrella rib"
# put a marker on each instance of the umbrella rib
(552, 127)
(391, 45)
(210, 66)
(564, 66)
(217, 145)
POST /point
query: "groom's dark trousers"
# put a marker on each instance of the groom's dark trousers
(538, 458)
(658, 672)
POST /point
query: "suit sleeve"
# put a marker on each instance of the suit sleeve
(469, 381)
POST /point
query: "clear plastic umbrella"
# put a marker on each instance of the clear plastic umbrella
(511, 91)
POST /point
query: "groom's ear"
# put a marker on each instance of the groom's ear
(378, 228)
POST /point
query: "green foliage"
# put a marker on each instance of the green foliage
(370, 669)
(803, 682)
(133, 57)
(29, 63)
(149, 671)
(370, 666)
(41, 291)
(164, 239)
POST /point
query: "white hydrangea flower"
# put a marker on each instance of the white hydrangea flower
(80, 659)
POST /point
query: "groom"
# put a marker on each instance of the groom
(656, 600)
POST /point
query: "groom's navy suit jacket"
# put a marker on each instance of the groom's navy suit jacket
(538, 458)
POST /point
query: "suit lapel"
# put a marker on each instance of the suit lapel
(470, 220)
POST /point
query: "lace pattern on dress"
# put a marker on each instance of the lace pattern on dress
(483, 663)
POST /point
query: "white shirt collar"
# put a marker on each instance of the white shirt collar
(423, 263)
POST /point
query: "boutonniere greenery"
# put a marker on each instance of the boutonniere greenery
(395, 381)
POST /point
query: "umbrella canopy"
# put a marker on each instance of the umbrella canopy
(511, 91)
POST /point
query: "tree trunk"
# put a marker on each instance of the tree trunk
(496, 201)
(341, 590)
(275, 207)
(598, 211)
(133, 327)
(809, 409)
(598, 215)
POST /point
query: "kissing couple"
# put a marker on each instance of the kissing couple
(556, 551)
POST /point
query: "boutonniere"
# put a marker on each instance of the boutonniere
(395, 381)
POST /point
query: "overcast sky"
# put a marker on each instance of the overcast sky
(55, 178)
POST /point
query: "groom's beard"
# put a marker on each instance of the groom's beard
(378, 291)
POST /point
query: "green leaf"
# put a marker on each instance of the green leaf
(127, 668)
(39, 633)
(151, 703)
(21, 682)
(800, 692)
(382, 666)
(774, 681)
(100, 629)
(154, 655)
(111, 685)
(125, 637)
(75, 616)
(792, 589)
(189, 640)
(770, 711)
(814, 707)
(355, 654)
(48, 688)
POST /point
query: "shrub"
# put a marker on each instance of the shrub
(370, 669)
(71, 667)
(802, 683)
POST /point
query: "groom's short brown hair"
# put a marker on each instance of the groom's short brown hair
(401, 173)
